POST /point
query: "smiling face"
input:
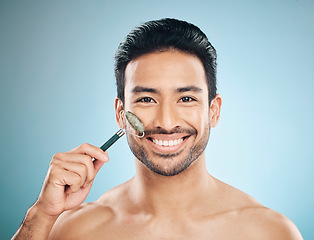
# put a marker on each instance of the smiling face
(168, 92)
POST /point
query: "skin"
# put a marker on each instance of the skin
(188, 205)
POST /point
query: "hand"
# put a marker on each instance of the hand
(69, 179)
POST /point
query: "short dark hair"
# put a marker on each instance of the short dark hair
(166, 34)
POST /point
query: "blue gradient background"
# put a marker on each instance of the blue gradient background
(57, 91)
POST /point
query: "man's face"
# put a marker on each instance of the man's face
(168, 92)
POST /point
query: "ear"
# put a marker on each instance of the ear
(119, 115)
(214, 112)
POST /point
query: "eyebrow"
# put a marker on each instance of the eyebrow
(139, 89)
(189, 89)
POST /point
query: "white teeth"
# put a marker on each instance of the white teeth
(168, 143)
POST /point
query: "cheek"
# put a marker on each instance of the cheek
(198, 119)
(145, 115)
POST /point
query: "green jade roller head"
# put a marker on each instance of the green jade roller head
(135, 123)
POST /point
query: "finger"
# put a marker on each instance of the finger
(98, 164)
(93, 151)
(76, 158)
(78, 168)
(63, 178)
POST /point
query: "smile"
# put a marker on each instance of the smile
(169, 143)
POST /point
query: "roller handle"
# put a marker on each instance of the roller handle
(112, 140)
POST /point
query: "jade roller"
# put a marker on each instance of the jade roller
(135, 123)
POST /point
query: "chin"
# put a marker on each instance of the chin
(166, 164)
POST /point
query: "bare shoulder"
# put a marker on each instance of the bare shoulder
(253, 220)
(77, 223)
(89, 221)
(264, 223)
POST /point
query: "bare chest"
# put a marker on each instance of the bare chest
(171, 230)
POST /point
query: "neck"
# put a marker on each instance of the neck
(182, 193)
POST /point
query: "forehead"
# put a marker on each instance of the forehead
(165, 71)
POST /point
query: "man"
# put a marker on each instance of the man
(166, 75)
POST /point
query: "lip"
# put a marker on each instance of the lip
(168, 138)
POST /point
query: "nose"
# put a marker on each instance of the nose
(166, 117)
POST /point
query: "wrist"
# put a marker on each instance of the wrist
(36, 225)
(36, 213)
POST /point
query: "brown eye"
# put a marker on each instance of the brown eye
(146, 100)
(187, 99)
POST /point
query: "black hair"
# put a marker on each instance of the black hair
(166, 34)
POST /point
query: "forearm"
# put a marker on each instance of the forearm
(36, 225)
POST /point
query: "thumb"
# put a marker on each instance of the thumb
(98, 164)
